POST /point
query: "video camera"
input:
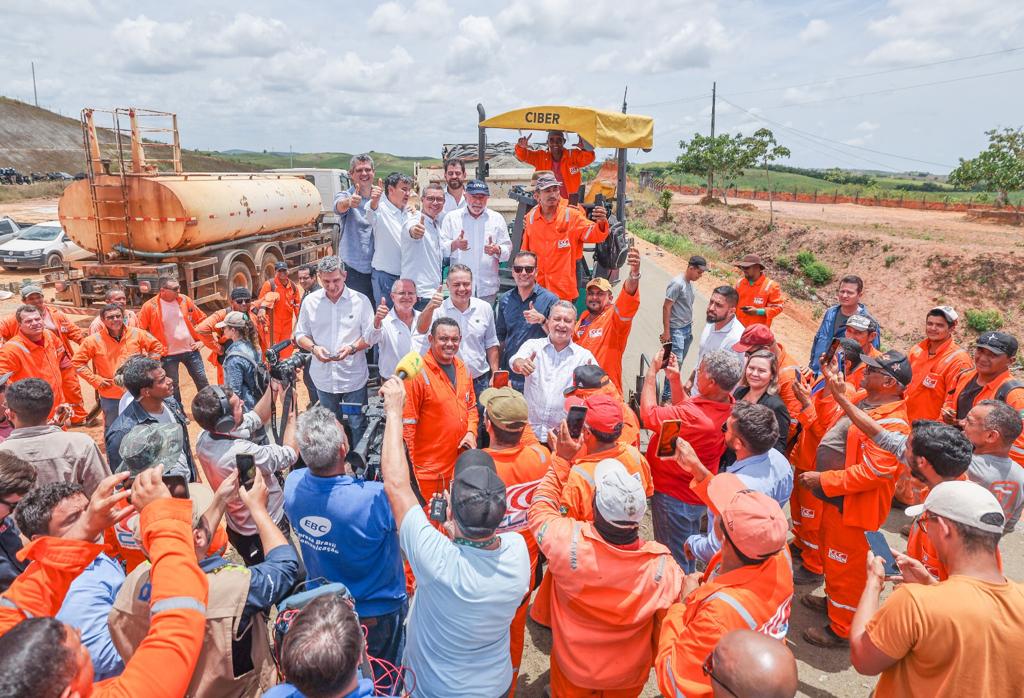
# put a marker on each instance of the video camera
(364, 457)
(285, 370)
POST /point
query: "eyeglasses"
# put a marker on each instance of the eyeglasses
(708, 667)
(523, 270)
(434, 199)
(923, 520)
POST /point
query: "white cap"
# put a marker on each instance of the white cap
(620, 497)
(859, 322)
(965, 502)
(947, 312)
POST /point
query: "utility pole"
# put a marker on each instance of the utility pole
(711, 173)
(291, 157)
(35, 93)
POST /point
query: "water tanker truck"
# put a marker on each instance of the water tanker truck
(145, 219)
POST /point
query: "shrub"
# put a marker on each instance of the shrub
(803, 258)
(817, 273)
(890, 260)
(784, 263)
(983, 320)
(665, 201)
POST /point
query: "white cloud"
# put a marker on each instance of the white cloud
(816, 30)
(867, 126)
(907, 52)
(146, 45)
(247, 35)
(934, 18)
(53, 10)
(691, 46)
(421, 17)
(474, 47)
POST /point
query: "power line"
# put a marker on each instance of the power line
(694, 98)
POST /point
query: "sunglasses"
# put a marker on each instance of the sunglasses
(708, 667)
(434, 199)
(523, 269)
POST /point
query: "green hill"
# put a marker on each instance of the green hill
(267, 160)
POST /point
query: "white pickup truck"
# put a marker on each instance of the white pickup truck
(8, 229)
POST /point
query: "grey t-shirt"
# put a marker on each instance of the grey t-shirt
(680, 292)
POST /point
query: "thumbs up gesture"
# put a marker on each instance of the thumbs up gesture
(417, 230)
(527, 366)
(490, 248)
(460, 243)
(355, 200)
(532, 316)
(382, 311)
(438, 298)
(376, 192)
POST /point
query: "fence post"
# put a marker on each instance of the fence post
(856, 196)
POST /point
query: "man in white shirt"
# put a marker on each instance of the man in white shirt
(394, 331)
(422, 256)
(333, 323)
(548, 365)
(387, 214)
(469, 583)
(455, 193)
(721, 331)
(478, 237)
(479, 349)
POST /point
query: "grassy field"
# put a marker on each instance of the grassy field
(384, 162)
(882, 187)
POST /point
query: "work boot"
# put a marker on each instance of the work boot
(815, 603)
(824, 636)
(803, 576)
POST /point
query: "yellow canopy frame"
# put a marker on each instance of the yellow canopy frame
(602, 129)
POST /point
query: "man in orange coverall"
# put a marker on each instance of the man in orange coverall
(866, 484)
(604, 326)
(761, 298)
(590, 379)
(283, 309)
(36, 352)
(747, 585)
(240, 299)
(566, 165)
(40, 655)
(609, 584)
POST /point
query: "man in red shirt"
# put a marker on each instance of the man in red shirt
(675, 510)
(604, 326)
(565, 164)
(761, 298)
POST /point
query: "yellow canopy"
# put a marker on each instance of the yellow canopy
(602, 129)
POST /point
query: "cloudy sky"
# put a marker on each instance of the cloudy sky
(843, 83)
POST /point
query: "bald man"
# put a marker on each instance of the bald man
(746, 663)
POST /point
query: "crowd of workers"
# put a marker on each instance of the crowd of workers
(513, 481)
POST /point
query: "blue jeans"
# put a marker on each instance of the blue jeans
(193, 364)
(360, 281)
(385, 639)
(109, 407)
(674, 521)
(349, 413)
(682, 338)
(382, 283)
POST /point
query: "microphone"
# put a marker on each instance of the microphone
(409, 366)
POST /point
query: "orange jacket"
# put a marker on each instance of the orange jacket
(868, 479)
(578, 492)
(437, 417)
(283, 312)
(857, 374)
(630, 422)
(820, 416)
(555, 243)
(67, 331)
(789, 372)
(211, 337)
(606, 335)
(107, 354)
(934, 377)
(1015, 399)
(570, 166)
(27, 359)
(763, 295)
(755, 597)
(131, 319)
(178, 600)
(151, 318)
(605, 598)
(521, 469)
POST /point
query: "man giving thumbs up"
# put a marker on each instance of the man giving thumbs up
(477, 237)
(422, 254)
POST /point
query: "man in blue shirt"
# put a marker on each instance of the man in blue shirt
(833, 323)
(356, 244)
(347, 532)
(750, 431)
(522, 311)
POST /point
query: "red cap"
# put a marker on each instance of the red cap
(754, 522)
(754, 336)
(604, 412)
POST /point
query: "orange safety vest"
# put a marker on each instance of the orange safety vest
(763, 294)
(570, 167)
(66, 331)
(605, 335)
(991, 391)
(107, 354)
(578, 492)
(555, 243)
(934, 377)
(521, 469)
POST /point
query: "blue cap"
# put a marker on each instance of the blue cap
(477, 186)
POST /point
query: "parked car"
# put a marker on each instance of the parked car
(9, 229)
(41, 245)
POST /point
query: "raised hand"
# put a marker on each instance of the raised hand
(418, 230)
(527, 366)
(492, 249)
(533, 316)
(460, 243)
(375, 193)
(524, 141)
(599, 214)
(382, 312)
(354, 200)
(438, 298)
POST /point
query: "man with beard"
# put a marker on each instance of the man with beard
(455, 191)
(477, 237)
(356, 243)
(721, 331)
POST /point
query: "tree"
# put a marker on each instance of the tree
(766, 150)
(1000, 167)
(722, 155)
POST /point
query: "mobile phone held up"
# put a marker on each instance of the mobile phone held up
(880, 548)
(574, 420)
(499, 379)
(245, 463)
(666, 351)
(667, 439)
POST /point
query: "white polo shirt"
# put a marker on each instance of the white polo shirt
(387, 222)
(489, 225)
(712, 339)
(394, 340)
(422, 259)
(545, 387)
(479, 333)
(333, 326)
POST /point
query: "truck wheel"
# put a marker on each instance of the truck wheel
(54, 260)
(267, 266)
(239, 275)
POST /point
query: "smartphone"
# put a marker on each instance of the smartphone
(880, 548)
(833, 348)
(666, 350)
(574, 420)
(841, 363)
(438, 508)
(499, 379)
(245, 463)
(667, 439)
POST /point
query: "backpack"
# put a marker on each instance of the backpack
(611, 252)
(1003, 391)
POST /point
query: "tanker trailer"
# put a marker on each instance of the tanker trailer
(144, 219)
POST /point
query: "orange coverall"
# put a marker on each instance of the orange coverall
(570, 167)
(151, 318)
(48, 361)
(211, 337)
(606, 335)
(866, 483)
(555, 243)
(107, 354)
(790, 371)
(162, 666)
(1014, 399)
(521, 469)
(578, 492)
(764, 294)
(605, 599)
(283, 312)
